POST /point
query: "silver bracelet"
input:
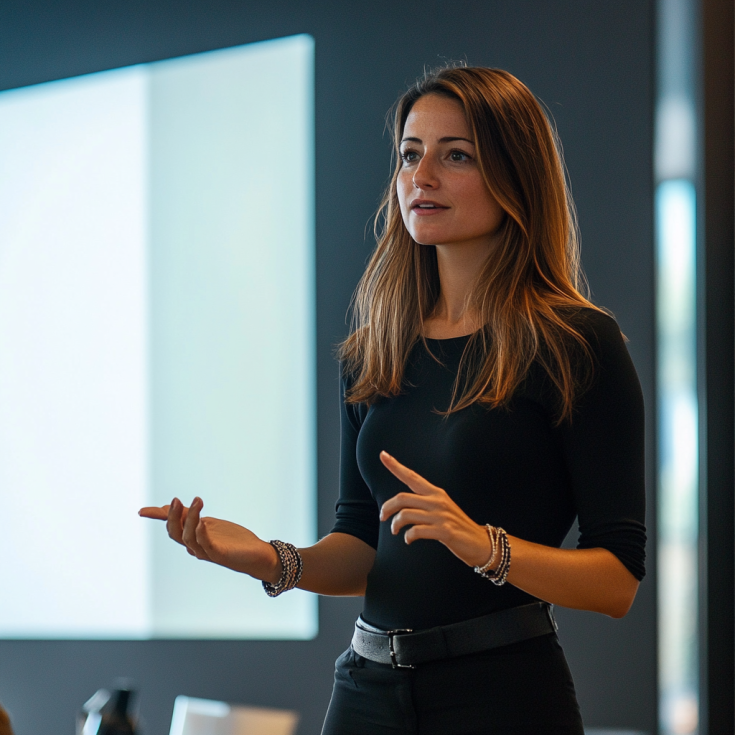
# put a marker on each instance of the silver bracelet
(292, 566)
(492, 534)
(498, 539)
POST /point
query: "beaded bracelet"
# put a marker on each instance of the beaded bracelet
(492, 534)
(292, 568)
(498, 539)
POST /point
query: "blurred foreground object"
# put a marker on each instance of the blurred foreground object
(207, 717)
(106, 713)
(5, 728)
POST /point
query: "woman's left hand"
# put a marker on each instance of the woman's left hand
(432, 514)
(584, 579)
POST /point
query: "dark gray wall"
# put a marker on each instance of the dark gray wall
(592, 63)
(716, 225)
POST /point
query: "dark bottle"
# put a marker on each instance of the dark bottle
(116, 719)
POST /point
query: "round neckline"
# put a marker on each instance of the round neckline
(448, 339)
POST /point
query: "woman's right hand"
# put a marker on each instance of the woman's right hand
(213, 539)
(338, 564)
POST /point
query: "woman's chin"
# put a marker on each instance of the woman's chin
(424, 237)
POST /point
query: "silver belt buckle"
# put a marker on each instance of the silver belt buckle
(392, 650)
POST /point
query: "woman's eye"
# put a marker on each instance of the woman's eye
(459, 156)
(409, 156)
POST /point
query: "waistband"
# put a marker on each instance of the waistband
(405, 648)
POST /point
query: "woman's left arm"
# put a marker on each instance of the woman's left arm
(585, 579)
(603, 449)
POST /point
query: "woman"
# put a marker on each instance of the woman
(511, 403)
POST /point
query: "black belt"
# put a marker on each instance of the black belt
(403, 648)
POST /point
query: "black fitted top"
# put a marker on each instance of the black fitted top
(510, 467)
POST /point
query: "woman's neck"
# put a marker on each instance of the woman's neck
(459, 265)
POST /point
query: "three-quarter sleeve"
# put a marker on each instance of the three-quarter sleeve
(604, 450)
(357, 511)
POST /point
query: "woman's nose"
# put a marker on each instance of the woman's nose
(425, 175)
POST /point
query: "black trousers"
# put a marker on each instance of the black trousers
(524, 689)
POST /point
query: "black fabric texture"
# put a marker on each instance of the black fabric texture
(512, 467)
(521, 689)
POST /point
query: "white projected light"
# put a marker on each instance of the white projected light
(156, 339)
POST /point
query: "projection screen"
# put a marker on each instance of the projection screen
(156, 339)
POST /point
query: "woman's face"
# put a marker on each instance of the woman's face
(442, 195)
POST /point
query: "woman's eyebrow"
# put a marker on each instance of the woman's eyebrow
(450, 139)
(446, 139)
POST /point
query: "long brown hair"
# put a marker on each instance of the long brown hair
(528, 287)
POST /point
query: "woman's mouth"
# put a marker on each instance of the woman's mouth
(424, 207)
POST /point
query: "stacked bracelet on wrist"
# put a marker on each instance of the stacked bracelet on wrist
(292, 568)
(499, 544)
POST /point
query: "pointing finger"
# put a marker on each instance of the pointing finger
(155, 512)
(417, 483)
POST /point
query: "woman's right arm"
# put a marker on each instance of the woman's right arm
(336, 565)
